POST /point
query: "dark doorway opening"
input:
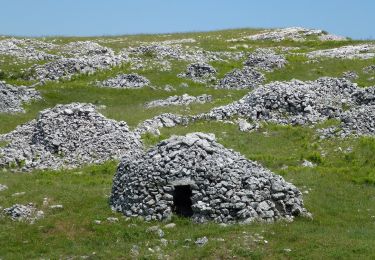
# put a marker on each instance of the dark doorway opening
(182, 200)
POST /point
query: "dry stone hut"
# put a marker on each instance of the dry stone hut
(197, 177)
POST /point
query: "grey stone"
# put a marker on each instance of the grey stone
(200, 72)
(198, 161)
(13, 97)
(202, 241)
(125, 81)
(182, 100)
(57, 139)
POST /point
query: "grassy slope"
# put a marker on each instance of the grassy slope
(341, 188)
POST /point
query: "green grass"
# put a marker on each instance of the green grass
(342, 226)
(341, 188)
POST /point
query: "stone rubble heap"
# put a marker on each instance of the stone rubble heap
(365, 96)
(3, 187)
(164, 120)
(125, 81)
(225, 186)
(12, 98)
(84, 48)
(294, 102)
(26, 49)
(26, 213)
(182, 100)
(199, 72)
(246, 78)
(162, 51)
(332, 37)
(65, 68)
(358, 121)
(265, 59)
(67, 136)
(369, 69)
(350, 75)
(360, 51)
(294, 34)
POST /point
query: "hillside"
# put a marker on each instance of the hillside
(293, 102)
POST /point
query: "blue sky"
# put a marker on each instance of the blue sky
(353, 18)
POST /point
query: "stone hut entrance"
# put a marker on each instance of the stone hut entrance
(182, 200)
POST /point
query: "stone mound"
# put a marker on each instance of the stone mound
(360, 51)
(182, 100)
(27, 213)
(293, 102)
(65, 68)
(332, 37)
(369, 69)
(350, 75)
(162, 51)
(365, 96)
(26, 49)
(195, 176)
(199, 72)
(164, 120)
(265, 59)
(291, 33)
(12, 98)
(241, 79)
(85, 48)
(67, 136)
(125, 81)
(358, 121)
(3, 187)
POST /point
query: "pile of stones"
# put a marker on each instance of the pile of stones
(219, 184)
(369, 69)
(65, 68)
(332, 37)
(365, 96)
(12, 98)
(199, 72)
(84, 48)
(67, 136)
(26, 49)
(359, 120)
(125, 81)
(164, 120)
(182, 100)
(249, 76)
(162, 51)
(27, 213)
(361, 51)
(3, 187)
(350, 75)
(294, 102)
(265, 59)
(246, 78)
(294, 34)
